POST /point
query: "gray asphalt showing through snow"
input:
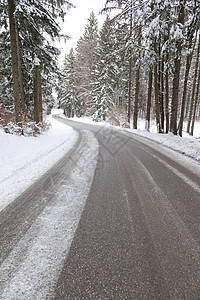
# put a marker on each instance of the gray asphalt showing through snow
(138, 237)
(139, 233)
(16, 218)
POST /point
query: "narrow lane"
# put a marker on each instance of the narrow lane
(138, 237)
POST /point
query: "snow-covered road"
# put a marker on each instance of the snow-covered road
(187, 145)
(33, 259)
(31, 269)
(24, 160)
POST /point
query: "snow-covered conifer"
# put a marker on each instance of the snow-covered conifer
(105, 73)
(84, 65)
(67, 96)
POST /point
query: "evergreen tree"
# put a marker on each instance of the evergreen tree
(166, 49)
(85, 64)
(67, 97)
(18, 90)
(177, 63)
(32, 54)
(125, 47)
(105, 72)
(6, 84)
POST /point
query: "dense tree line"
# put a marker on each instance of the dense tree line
(145, 61)
(28, 60)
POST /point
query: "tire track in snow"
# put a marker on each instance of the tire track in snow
(32, 268)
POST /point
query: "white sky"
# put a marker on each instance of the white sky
(75, 21)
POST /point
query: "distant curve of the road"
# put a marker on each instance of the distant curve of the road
(139, 234)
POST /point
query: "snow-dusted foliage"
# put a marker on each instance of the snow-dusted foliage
(32, 24)
(84, 66)
(145, 59)
(162, 34)
(6, 91)
(105, 73)
(66, 88)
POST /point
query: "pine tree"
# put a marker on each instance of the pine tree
(137, 57)
(122, 56)
(105, 72)
(36, 18)
(6, 84)
(16, 62)
(177, 65)
(84, 66)
(127, 48)
(67, 96)
(31, 52)
(192, 100)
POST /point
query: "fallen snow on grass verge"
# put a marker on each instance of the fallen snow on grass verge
(33, 267)
(187, 145)
(24, 159)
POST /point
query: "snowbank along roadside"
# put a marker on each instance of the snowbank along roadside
(187, 145)
(32, 268)
(24, 159)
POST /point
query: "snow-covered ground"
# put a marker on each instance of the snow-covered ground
(187, 145)
(24, 159)
(33, 266)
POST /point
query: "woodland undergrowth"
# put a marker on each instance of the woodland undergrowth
(27, 127)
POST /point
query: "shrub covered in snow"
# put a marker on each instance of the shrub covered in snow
(27, 127)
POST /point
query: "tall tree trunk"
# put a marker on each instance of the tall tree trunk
(156, 97)
(37, 96)
(162, 93)
(159, 81)
(167, 100)
(174, 109)
(156, 89)
(137, 83)
(166, 80)
(148, 116)
(130, 70)
(177, 65)
(135, 116)
(193, 87)
(195, 104)
(129, 89)
(15, 62)
(21, 85)
(40, 97)
(187, 70)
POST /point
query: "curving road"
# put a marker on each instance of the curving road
(139, 232)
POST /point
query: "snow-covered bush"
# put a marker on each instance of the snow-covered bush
(26, 127)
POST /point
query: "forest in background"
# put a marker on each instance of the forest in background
(144, 62)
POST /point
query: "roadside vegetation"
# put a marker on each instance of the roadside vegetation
(28, 62)
(142, 63)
